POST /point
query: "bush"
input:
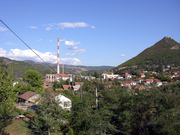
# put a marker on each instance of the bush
(19, 111)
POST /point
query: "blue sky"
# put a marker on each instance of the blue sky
(92, 32)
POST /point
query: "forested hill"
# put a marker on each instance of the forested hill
(19, 67)
(165, 52)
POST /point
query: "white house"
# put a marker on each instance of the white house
(119, 77)
(65, 102)
(128, 76)
(142, 75)
(64, 77)
(108, 75)
(132, 83)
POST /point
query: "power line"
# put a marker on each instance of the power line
(27, 46)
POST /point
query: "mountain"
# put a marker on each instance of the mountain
(19, 67)
(165, 52)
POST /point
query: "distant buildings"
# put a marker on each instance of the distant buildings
(58, 77)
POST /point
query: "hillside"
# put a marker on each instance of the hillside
(165, 52)
(20, 66)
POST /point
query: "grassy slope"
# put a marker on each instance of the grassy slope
(20, 127)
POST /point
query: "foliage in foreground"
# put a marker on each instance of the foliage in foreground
(146, 112)
(49, 115)
(8, 96)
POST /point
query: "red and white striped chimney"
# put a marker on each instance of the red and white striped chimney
(58, 58)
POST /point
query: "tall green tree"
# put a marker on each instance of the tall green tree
(8, 97)
(50, 115)
(34, 79)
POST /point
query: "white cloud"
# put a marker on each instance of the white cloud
(40, 40)
(9, 43)
(50, 40)
(73, 48)
(93, 27)
(71, 25)
(122, 55)
(2, 52)
(48, 28)
(17, 54)
(66, 25)
(77, 52)
(33, 27)
(72, 61)
(2, 29)
(71, 43)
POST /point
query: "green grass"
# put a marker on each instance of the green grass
(21, 127)
(18, 127)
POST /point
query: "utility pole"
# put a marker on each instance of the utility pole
(96, 100)
(80, 88)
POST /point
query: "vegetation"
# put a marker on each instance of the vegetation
(156, 111)
(49, 115)
(19, 67)
(8, 96)
(34, 80)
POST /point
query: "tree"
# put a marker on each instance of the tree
(8, 96)
(83, 73)
(21, 87)
(50, 114)
(34, 79)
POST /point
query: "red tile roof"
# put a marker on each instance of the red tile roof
(66, 86)
(78, 83)
(129, 86)
(62, 75)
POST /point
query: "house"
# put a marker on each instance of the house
(28, 97)
(79, 83)
(63, 77)
(157, 82)
(142, 75)
(138, 80)
(77, 86)
(132, 83)
(119, 77)
(124, 83)
(65, 102)
(172, 76)
(148, 81)
(128, 76)
(66, 87)
(47, 82)
(108, 76)
(140, 87)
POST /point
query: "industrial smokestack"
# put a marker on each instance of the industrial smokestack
(58, 59)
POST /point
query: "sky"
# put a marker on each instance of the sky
(91, 32)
